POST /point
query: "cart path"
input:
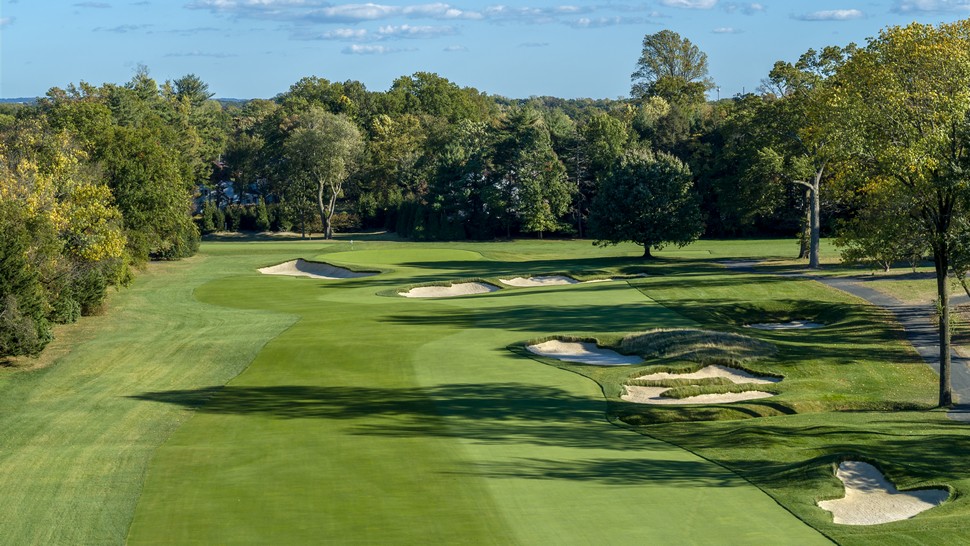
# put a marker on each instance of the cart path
(918, 322)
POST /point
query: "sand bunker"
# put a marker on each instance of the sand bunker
(582, 353)
(654, 396)
(870, 498)
(315, 270)
(457, 289)
(732, 374)
(549, 280)
(793, 325)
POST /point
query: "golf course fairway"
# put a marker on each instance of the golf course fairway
(375, 418)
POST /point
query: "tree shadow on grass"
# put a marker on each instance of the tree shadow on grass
(625, 471)
(553, 319)
(489, 413)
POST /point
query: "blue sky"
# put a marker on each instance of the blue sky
(258, 48)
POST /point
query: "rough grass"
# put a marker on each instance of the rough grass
(74, 445)
(697, 345)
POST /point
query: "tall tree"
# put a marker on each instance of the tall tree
(905, 98)
(670, 67)
(324, 148)
(646, 199)
(531, 178)
(806, 138)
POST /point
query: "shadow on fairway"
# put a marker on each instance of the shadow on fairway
(625, 265)
(559, 318)
(513, 413)
(690, 473)
(909, 446)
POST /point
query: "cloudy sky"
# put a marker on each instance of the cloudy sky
(258, 48)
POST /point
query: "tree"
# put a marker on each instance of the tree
(24, 328)
(905, 99)
(670, 67)
(147, 181)
(806, 139)
(647, 198)
(530, 177)
(324, 148)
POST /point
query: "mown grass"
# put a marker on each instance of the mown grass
(851, 390)
(392, 420)
(374, 419)
(74, 445)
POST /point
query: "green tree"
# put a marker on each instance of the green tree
(146, 179)
(24, 328)
(806, 142)
(905, 100)
(324, 148)
(646, 199)
(671, 67)
(531, 179)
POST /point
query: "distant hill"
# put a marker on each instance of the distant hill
(20, 100)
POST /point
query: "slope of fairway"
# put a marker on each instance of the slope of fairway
(74, 445)
(385, 420)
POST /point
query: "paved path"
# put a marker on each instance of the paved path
(918, 322)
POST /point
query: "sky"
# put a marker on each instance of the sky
(258, 48)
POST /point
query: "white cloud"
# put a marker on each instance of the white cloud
(408, 31)
(534, 44)
(122, 29)
(831, 15)
(690, 4)
(455, 49)
(324, 12)
(6, 21)
(357, 49)
(95, 5)
(747, 8)
(727, 30)
(600, 22)
(931, 6)
(346, 34)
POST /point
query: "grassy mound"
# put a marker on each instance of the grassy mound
(706, 346)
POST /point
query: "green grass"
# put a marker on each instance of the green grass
(360, 418)
(377, 419)
(74, 445)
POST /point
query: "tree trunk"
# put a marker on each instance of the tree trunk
(813, 245)
(646, 252)
(941, 259)
(806, 234)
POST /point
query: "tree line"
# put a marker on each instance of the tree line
(867, 142)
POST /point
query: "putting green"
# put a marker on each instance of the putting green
(386, 420)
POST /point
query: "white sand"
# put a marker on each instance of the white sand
(732, 374)
(870, 498)
(549, 280)
(793, 325)
(315, 270)
(583, 353)
(457, 289)
(653, 395)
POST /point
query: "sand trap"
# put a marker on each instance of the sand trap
(315, 270)
(653, 395)
(870, 498)
(732, 374)
(793, 325)
(583, 353)
(549, 280)
(457, 289)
